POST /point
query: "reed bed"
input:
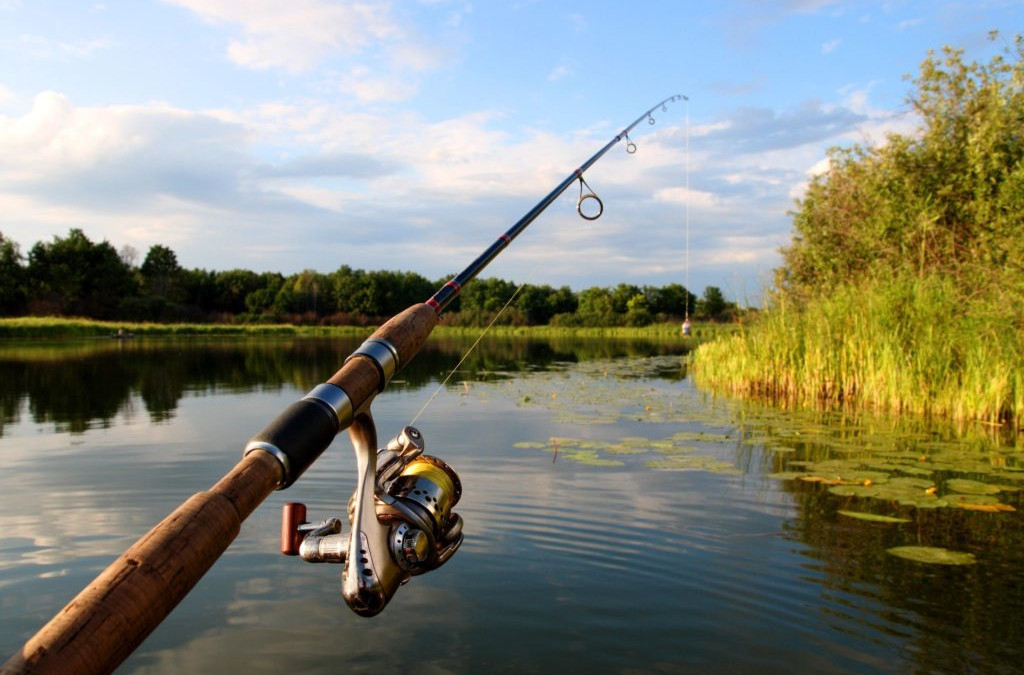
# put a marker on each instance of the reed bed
(901, 346)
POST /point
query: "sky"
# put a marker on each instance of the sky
(409, 135)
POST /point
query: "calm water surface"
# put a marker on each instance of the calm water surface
(657, 538)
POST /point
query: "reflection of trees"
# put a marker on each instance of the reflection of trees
(955, 618)
(84, 384)
(11, 375)
(977, 608)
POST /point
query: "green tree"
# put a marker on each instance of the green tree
(563, 301)
(349, 289)
(200, 291)
(231, 287)
(712, 304)
(621, 295)
(487, 295)
(948, 200)
(595, 307)
(261, 300)
(161, 273)
(538, 303)
(637, 311)
(670, 300)
(12, 278)
(74, 276)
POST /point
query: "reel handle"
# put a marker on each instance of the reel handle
(293, 516)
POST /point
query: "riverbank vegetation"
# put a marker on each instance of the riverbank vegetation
(73, 276)
(36, 328)
(903, 287)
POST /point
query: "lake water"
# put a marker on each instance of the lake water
(617, 519)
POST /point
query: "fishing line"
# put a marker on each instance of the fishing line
(686, 269)
(451, 289)
(395, 533)
(469, 351)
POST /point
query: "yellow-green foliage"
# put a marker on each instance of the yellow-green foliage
(903, 286)
(900, 345)
(58, 327)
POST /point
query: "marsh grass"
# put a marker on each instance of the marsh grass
(910, 345)
(661, 331)
(56, 327)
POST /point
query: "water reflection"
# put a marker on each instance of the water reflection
(568, 565)
(77, 386)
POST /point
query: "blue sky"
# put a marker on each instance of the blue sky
(408, 135)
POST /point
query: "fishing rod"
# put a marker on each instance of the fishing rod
(401, 518)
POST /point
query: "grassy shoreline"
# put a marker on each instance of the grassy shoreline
(912, 346)
(35, 328)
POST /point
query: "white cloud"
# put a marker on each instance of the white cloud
(908, 24)
(35, 46)
(830, 46)
(680, 195)
(558, 73)
(380, 56)
(310, 182)
(301, 34)
(6, 95)
(369, 86)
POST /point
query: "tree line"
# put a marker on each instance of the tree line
(74, 276)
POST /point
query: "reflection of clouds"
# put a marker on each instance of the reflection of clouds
(95, 496)
(556, 554)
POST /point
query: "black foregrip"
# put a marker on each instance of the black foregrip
(297, 437)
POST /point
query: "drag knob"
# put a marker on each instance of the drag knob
(411, 547)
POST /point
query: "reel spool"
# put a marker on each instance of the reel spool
(408, 529)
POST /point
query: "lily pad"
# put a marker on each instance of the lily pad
(971, 487)
(873, 517)
(595, 461)
(787, 475)
(932, 556)
(854, 490)
(693, 463)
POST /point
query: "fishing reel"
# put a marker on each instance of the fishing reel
(401, 517)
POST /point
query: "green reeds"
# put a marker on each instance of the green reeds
(904, 345)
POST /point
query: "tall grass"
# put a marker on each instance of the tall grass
(56, 327)
(906, 345)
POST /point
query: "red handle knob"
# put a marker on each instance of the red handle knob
(293, 514)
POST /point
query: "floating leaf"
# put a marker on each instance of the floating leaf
(854, 490)
(620, 449)
(971, 487)
(588, 460)
(990, 508)
(675, 450)
(530, 445)
(932, 556)
(702, 436)
(787, 475)
(693, 463)
(873, 517)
